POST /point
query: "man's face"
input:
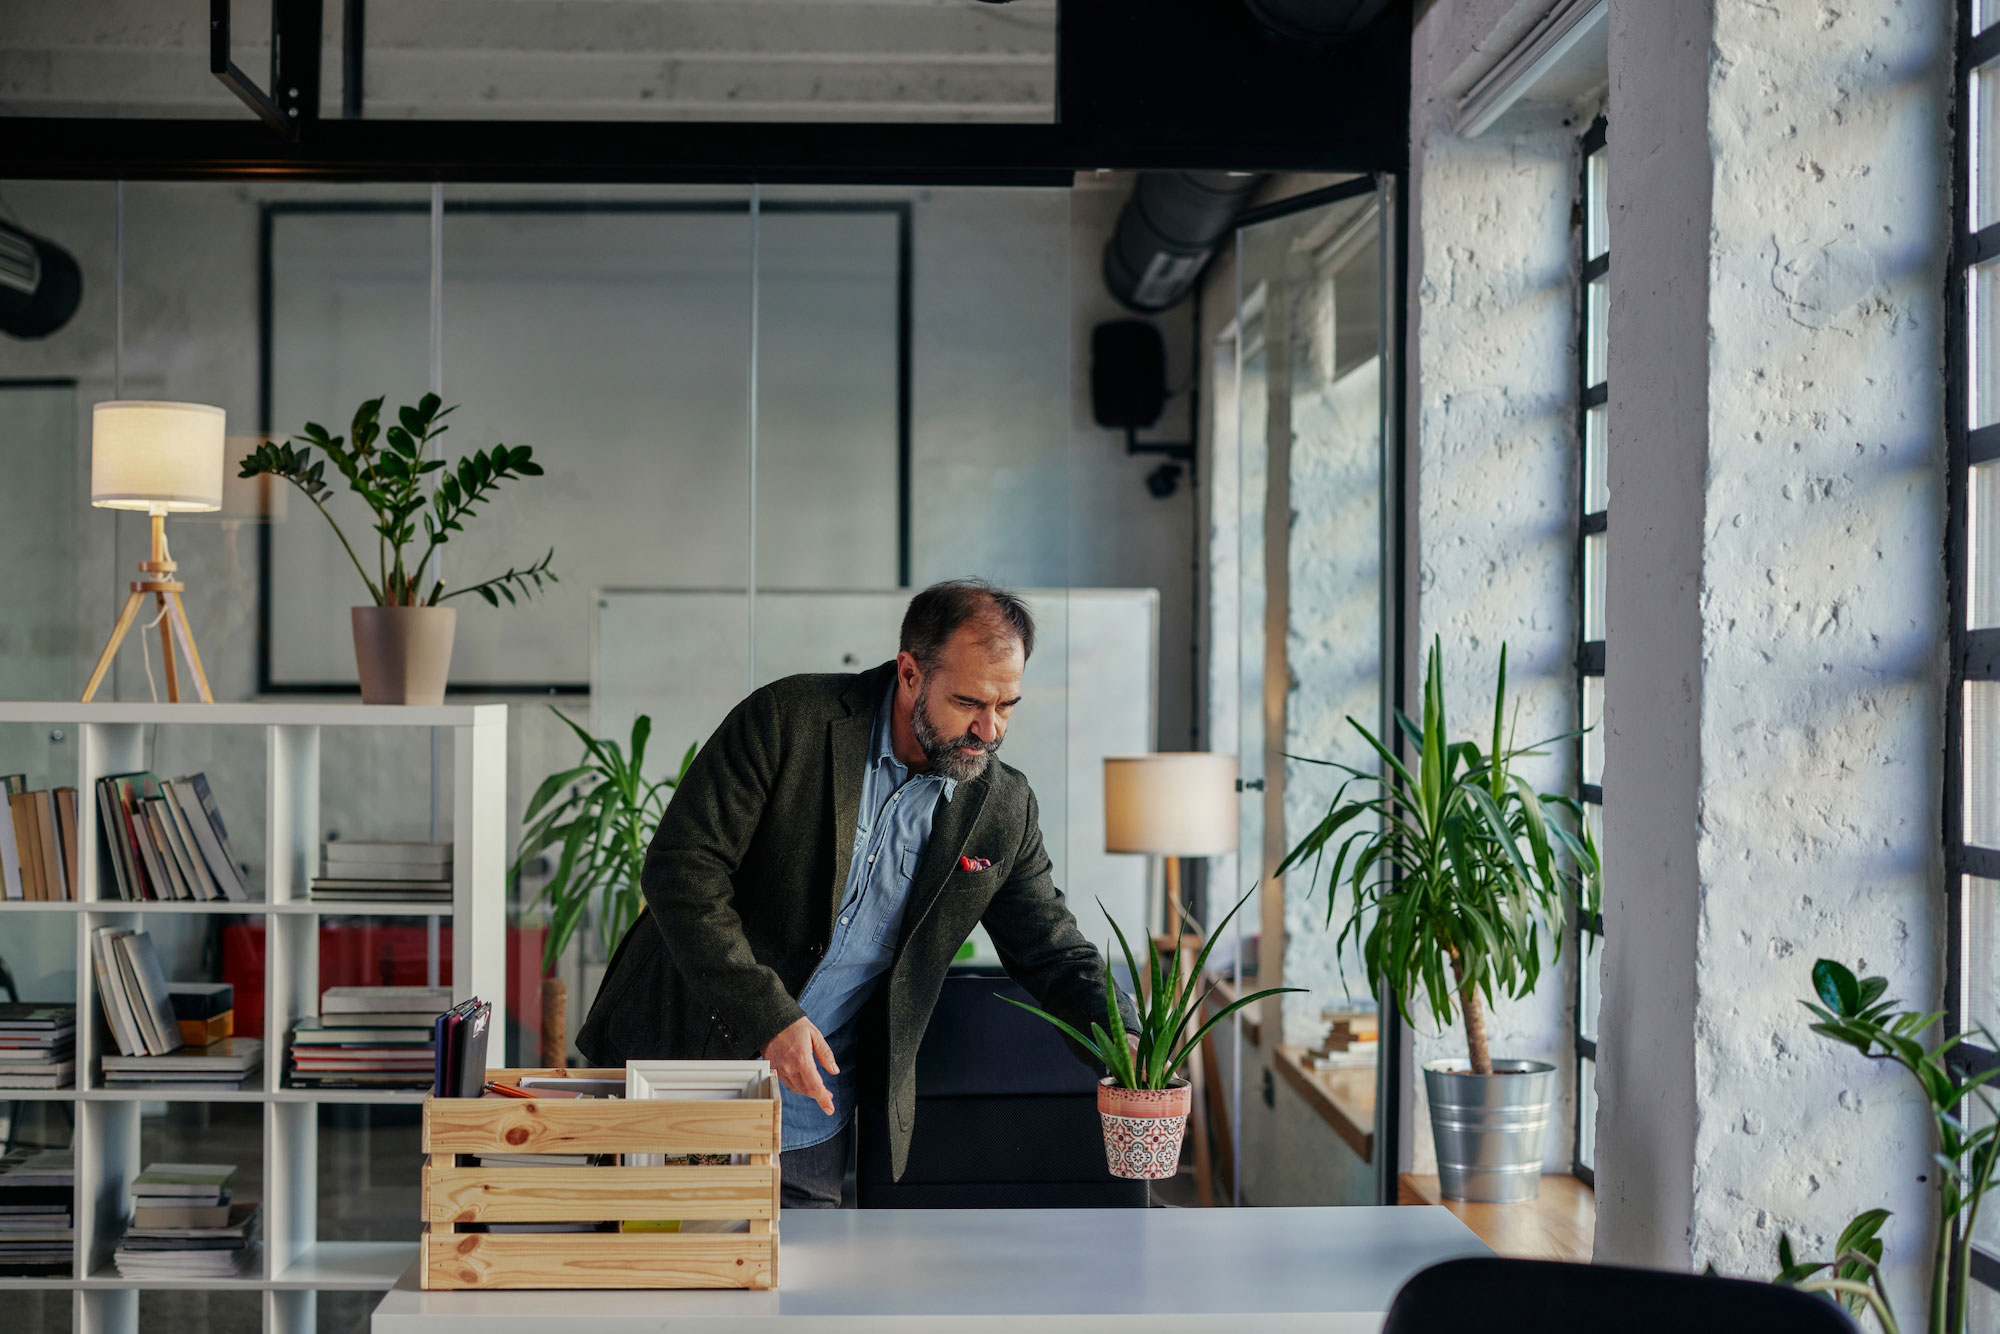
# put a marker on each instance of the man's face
(961, 708)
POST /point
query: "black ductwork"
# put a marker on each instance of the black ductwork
(1166, 231)
(40, 284)
(1325, 21)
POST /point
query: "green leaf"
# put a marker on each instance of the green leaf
(1837, 987)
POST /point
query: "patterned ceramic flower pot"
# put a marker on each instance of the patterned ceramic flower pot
(1143, 1128)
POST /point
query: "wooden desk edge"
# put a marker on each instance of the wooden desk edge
(1558, 1224)
(1336, 1098)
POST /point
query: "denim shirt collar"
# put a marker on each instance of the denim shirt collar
(882, 741)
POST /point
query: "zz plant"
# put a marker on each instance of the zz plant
(1173, 1000)
(1852, 1011)
(389, 478)
(598, 817)
(1453, 864)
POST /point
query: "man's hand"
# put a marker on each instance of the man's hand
(792, 1054)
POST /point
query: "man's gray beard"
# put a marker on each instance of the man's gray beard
(947, 761)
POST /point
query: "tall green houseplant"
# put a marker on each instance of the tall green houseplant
(597, 818)
(1454, 866)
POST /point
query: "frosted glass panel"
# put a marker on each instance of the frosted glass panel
(1982, 763)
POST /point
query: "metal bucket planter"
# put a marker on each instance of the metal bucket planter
(1489, 1128)
(1143, 1128)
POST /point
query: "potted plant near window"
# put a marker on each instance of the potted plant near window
(1144, 1103)
(402, 641)
(596, 819)
(1455, 868)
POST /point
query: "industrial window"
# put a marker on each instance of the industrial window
(1592, 508)
(1972, 768)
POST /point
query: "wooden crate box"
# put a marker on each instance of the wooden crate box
(454, 1195)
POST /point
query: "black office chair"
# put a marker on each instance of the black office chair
(1006, 1116)
(1499, 1296)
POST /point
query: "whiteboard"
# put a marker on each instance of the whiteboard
(682, 657)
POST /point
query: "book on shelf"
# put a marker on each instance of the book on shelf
(66, 830)
(11, 885)
(133, 987)
(165, 839)
(201, 1000)
(368, 1037)
(37, 1046)
(231, 1058)
(386, 858)
(37, 848)
(37, 1229)
(432, 1001)
(185, 1225)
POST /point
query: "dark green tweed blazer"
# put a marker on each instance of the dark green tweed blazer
(747, 869)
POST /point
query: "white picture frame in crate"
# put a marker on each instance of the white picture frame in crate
(703, 1081)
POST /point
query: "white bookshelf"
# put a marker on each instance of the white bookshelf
(294, 1264)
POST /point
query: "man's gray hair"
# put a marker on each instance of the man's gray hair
(937, 613)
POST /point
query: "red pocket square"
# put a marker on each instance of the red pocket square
(973, 864)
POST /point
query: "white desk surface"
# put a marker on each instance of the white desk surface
(1332, 1271)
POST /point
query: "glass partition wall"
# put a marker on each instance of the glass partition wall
(1300, 575)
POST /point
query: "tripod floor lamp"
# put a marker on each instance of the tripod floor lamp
(162, 458)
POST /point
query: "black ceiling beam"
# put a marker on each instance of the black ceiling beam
(292, 104)
(558, 151)
(1158, 85)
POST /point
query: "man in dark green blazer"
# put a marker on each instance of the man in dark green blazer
(820, 864)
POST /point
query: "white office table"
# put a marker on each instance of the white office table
(1332, 1271)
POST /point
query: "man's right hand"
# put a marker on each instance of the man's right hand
(792, 1055)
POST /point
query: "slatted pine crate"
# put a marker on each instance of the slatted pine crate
(456, 1195)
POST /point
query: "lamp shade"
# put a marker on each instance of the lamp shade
(156, 456)
(1174, 804)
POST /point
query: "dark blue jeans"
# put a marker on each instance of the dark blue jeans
(813, 1176)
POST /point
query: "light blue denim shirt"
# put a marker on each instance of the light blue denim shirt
(889, 837)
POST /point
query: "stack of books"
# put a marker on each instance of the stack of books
(164, 839)
(356, 871)
(184, 1225)
(37, 1046)
(369, 1037)
(139, 1010)
(37, 1230)
(37, 842)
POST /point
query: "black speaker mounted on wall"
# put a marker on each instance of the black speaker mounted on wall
(1128, 391)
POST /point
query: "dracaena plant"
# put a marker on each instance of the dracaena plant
(1174, 999)
(1454, 866)
(597, 819)
(1852, 1010)
(388, 471)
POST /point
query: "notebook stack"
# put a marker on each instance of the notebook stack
(184, 1225)
(37, 842)
(357, 871)
(139, 1009)
(164, 839)
(37, 1230)
(37, 1046)
(369, 1037)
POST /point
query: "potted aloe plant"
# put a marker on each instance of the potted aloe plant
(402, 641)
(1143, 1103)
(596, 818)
(1455, 869)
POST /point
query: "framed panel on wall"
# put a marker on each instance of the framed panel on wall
(624, 340)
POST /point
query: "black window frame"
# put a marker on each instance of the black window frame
(1589, 652)
(1974, 654)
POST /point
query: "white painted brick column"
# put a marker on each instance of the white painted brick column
(1776, 617)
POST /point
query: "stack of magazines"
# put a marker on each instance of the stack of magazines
(36, 1228)
(184, 1224)
(37, 1046)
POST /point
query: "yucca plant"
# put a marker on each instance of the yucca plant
(601, 815)
(1454, 866)
(1174, 999)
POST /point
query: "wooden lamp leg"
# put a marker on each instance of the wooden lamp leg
(167, 650)
(125, 619)
(177, 615)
